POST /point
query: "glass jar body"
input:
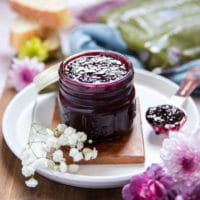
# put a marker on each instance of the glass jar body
(103, 111)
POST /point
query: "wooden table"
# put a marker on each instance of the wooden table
(12, 185)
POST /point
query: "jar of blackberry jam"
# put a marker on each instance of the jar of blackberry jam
(96, 94)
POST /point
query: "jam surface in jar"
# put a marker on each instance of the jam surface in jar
(96, 69)
(97, 95)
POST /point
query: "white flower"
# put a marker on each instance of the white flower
(90, 141)
(73, 139)
(69, 130)
(68, 139)
(82, 137)
(75, 154)
(28, 170)
(63, 139)
(27, 156)
(94, 153)
(61, 127)
(73, 168)
(43, 151)
(52, 165)
(89, 153)
(58, 156)
(52, 142)
(41, 163)
(63, 167)
(31, 182)
(79, 145)
(78, 157)
(49, 132)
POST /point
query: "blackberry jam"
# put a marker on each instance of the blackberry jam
(165, 118)
(96, 94)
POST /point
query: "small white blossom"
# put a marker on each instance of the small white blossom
(52, 165)
(73, 139)
(79, 145)
(27, 157)
(94, 153)
(73, 168)
(28, 170)
(68, 139)
(52, 142)
(58, 156)
(78, 157)
(90, 141)
(63, 139)
(41, 163)
(69, 130)
(82, 137)
(75, 154)
(61, 127)
(41, 144)
(63, 167)
(31, 182)
(89, 153)
(49, 132)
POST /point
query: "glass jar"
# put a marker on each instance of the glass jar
(103, 110)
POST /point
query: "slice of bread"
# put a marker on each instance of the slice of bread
(23, 29)
(52, 41)
(52, 13)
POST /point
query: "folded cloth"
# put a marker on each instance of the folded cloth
(160, 28)
(96, 36)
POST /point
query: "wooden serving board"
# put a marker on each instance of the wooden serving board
(127, 149)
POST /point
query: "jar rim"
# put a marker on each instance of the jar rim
(110, 53)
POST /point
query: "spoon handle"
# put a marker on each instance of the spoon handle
(191, 81)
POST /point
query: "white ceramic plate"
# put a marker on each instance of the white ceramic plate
(151, 89)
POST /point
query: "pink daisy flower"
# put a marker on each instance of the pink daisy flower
(181, 157)
(23, 72)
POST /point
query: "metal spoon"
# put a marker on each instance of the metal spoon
(171, 117)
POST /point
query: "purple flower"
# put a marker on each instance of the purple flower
(151, 185)
(181, 156)
(23, 71)
(181, 191)
(195, 193)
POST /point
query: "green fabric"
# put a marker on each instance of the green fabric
(169, 30)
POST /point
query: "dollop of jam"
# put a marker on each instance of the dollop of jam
(165, 118)
(97, 69)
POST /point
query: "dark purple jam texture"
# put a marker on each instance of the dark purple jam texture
(96, 69)
(165, 118)
(96, 94)
(100, 125)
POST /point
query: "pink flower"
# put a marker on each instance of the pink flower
(23, 71)
(181, 156)
(151, 185)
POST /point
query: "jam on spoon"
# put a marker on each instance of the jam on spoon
(166, 118)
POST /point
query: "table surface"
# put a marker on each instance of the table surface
(12, 185)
